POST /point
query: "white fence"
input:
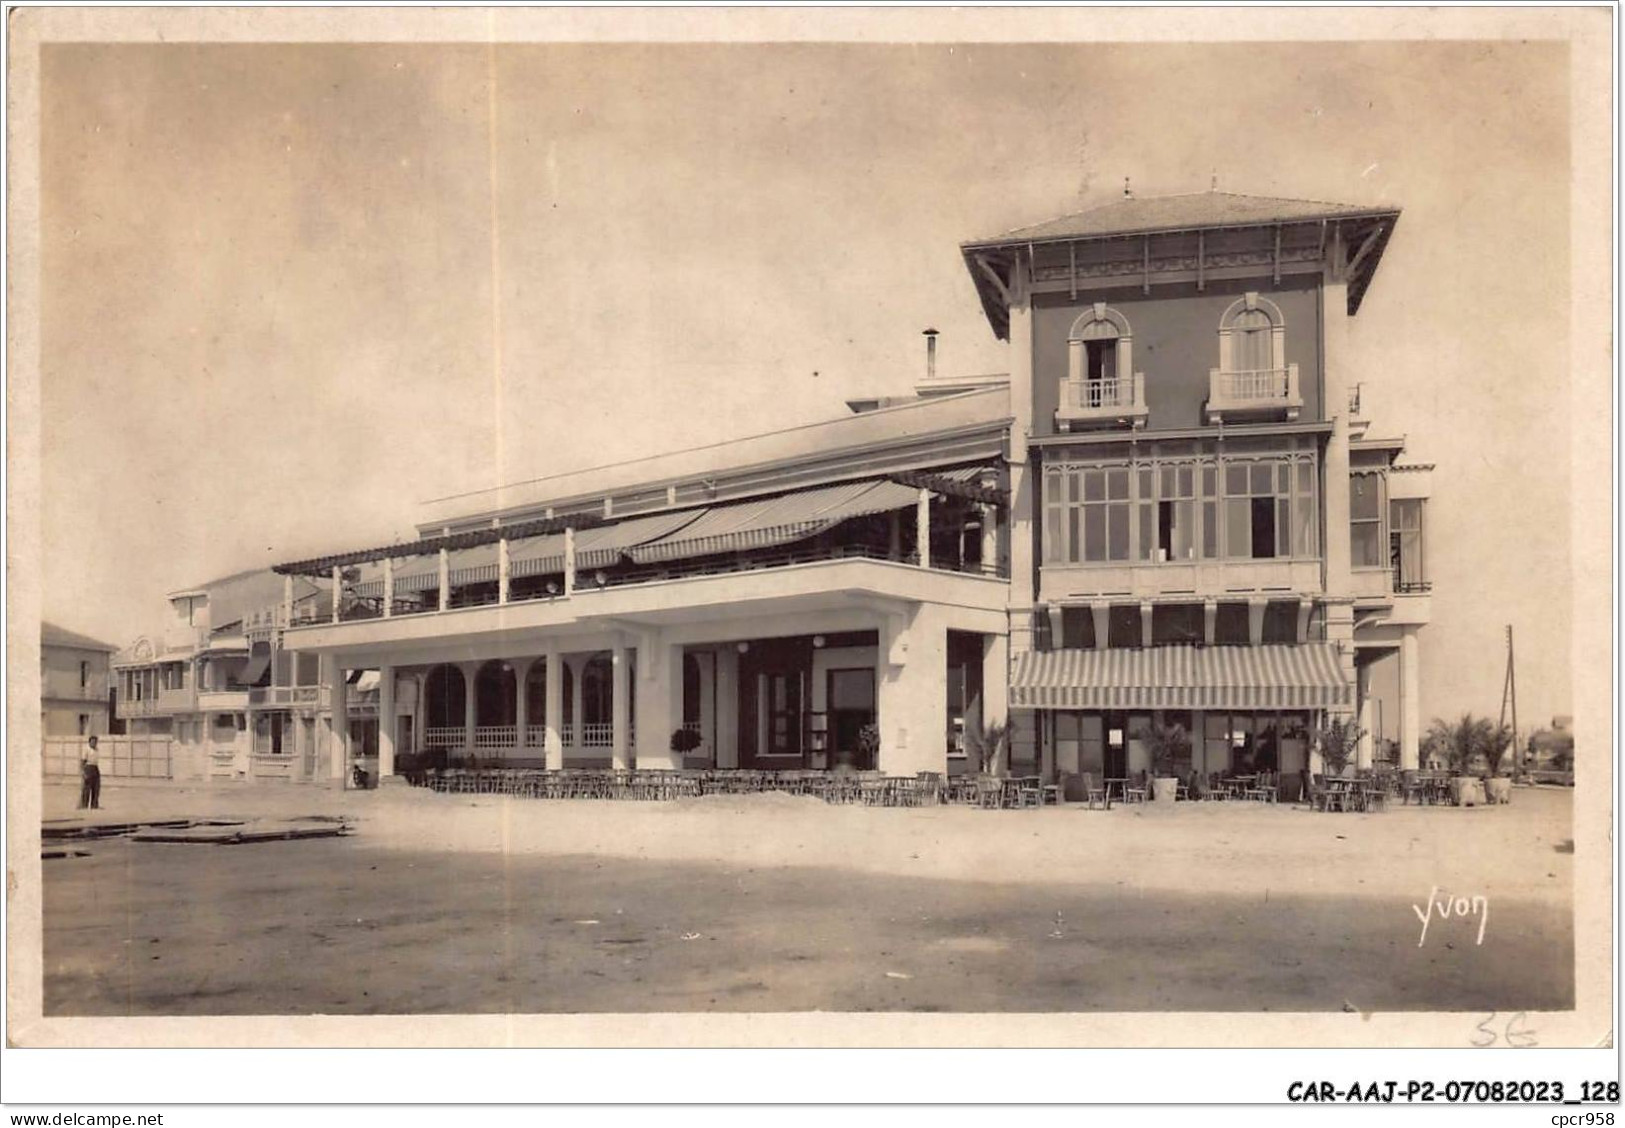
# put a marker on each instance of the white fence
(118, 757)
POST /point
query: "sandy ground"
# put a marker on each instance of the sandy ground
(478, 904)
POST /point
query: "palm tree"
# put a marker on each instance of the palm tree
(1462, 742)
(987, 742)
(1338, 742)
(1166, 744)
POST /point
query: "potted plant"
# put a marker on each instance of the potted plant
(869, 745)
(987, 743)
(1498, 785)
(1337, 742)
(1465, 743)
(1167, 744)
(683, 741)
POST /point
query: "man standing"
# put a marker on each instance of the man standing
(90, 776)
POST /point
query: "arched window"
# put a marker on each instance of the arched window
(495, 694)
(597, 691)
(1100, 357)
(536, 693)
(444, 697)
(1252, 336)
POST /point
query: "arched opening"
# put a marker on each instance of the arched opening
(536, 694)
(1100, 365)
(567, 692)
(496, 700)
(597, 691)
(445, 697)
(1251, 348)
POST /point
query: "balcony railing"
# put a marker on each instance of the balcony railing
(450, 737)
(1116, 399)
(597, 736)
(166, 702)
(624, 573)
(275, 695)
(1412, 587)
(1253, 390)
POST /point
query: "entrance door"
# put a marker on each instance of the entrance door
(308, 746)
(851, 697)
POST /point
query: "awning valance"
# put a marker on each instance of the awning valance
(774, 521)
(1182, 677)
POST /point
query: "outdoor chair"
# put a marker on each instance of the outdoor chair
(1093, 793)
(989, 793)
(1136, 790)
(1028, 792)
(930, 788)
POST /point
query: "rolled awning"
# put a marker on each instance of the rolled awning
(1182, 677)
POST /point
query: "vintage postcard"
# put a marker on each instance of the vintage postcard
(1068, 527)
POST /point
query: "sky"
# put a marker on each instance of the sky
(291, 291)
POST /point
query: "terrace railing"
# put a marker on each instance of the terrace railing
(496, 736)
(1253, 389)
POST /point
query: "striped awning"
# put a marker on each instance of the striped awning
(1182, 677)
(769, 522)
(603, 546)
(421, 573)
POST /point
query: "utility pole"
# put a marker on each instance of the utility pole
(1509, 693)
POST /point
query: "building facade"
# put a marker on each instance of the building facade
(74, 683)
(1208, 534)
(1170, 510)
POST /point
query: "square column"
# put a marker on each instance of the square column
(338, 721)
(620, 695)
(995, 679)
(660, 701)
(1410, 701)
(521, 702)
(553, 741)
(922, 528)
(387, 722)
(470, 671)
(913, 692)
(1362, 704)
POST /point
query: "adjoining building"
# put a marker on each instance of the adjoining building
(1170, 509)
(74, 697)
(217, 695)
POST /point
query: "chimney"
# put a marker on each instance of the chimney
(930, 354)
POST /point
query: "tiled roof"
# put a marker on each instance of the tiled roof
(52, 635)
(1134, 215)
